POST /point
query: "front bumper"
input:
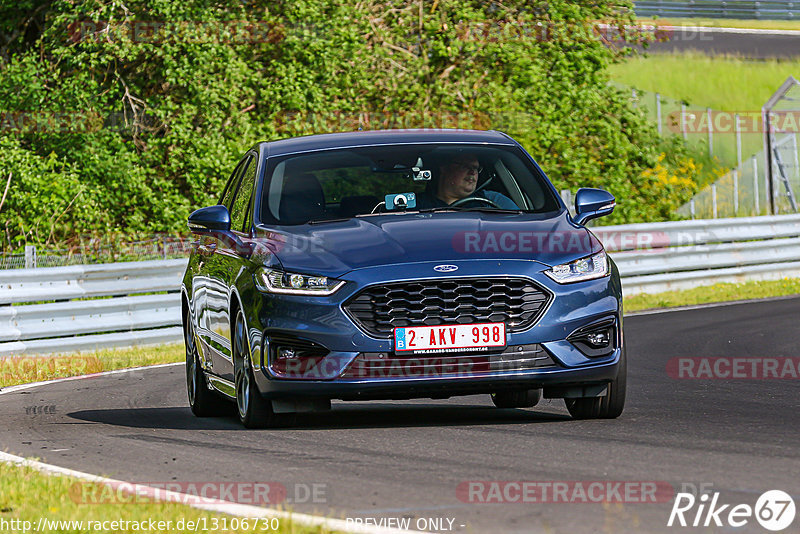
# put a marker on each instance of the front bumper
(322, 321)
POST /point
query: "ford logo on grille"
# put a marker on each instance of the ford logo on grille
(445, 268)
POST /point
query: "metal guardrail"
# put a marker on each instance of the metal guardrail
(67, 322)
(82, 281)
(657, 257)
(729, 9)
(651, 258)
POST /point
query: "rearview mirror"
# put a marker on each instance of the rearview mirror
(592, 203)
(209, 220)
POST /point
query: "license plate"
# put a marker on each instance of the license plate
(449, 338)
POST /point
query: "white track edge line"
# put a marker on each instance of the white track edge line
(212, 505)
(725, 29)
(707, 29)
(21, 387)
(710, 305)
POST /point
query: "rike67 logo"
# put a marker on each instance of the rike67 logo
(774, 510)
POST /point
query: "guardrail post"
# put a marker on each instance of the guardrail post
(714, 199)
(30, 257)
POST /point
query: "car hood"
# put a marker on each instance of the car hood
(334, 248)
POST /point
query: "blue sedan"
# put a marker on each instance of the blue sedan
(399, 264)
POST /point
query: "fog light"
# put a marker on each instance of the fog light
(598, 339)
(286, 353)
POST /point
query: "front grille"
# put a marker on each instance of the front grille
(385, 365)
(514, 301)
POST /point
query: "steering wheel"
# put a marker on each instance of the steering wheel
(470, 199)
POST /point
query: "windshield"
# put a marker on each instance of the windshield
(364, 181)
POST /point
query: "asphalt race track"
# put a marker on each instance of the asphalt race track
(758, 44)
(406, 459)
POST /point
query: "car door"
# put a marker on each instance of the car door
(223, 266)
(211, 295)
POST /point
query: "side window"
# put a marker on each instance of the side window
(241, 204)
(230, 189)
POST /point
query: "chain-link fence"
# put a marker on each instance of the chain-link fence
(766, 182)
(722, 137)
(157, 248)
(740, 193)
(782, 123)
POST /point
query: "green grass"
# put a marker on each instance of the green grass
(722, 83)
(27, 495)
(24, 369)
(714, 293)
(727, 83)
(724, 23)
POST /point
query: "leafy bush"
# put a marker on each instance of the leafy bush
(154, 101)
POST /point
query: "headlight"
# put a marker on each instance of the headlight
(588, 268)
(274, 281)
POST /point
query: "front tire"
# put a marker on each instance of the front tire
(609, 406)
(254, 411)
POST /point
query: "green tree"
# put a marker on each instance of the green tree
(127, 116)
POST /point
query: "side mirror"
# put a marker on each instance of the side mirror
(210, 220)
(592, 203)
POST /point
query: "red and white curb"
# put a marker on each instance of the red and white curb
(160, 494)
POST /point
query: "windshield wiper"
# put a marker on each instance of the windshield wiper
(477, 208)
(323, 221)
(492, 209)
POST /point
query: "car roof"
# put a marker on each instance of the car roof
(383, 137)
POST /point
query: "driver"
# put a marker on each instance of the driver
(458, 180)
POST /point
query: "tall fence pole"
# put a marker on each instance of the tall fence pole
(735, 192)
(755, 184)
(738, 128)
(768, 160)
(683, 121)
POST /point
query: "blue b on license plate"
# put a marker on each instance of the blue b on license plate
(449, 338)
